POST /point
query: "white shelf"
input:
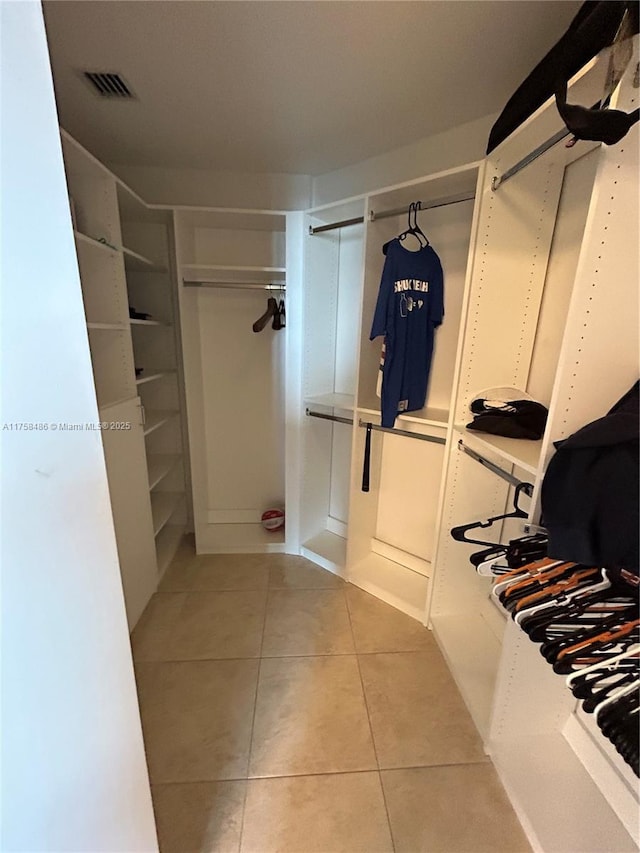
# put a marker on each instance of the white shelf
(159, 465)
(135, 322)
(224, 273)
(472, 652)
(114, 327)
(518, 451)
(346, 402)
(135, 262)
(167, 542)
(156, 418)
(153, 376)
(86, 240)
(560, 806)
(327, 550)
(163, 505)
(392, 582)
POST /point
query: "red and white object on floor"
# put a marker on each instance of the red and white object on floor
(273, 519)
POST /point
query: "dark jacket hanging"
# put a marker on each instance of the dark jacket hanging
(593, 28)
(590, 503)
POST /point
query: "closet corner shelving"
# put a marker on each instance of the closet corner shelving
(552, 310)
(229, 261)
(124, 255)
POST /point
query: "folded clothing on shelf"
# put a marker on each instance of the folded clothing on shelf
(509, 412)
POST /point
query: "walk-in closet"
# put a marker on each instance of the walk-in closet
(332, 612)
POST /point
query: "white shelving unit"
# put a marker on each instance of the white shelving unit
(235, 379)
(124, 255)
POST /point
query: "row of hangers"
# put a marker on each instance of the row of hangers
(587, 622)
(276, 309)
(585, 618)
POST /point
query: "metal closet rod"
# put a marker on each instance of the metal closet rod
(432, 438)
(497, 181)
(361, 423)
(235, 285)
(324, 417)
(385, 214)
(500, 472)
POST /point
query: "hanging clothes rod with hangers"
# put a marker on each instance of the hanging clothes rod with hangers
(497, 181)
(384, 214)
(324, 417)
(235, 285)
(499, 472)
(432, 438)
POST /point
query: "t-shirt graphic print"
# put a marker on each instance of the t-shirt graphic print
(409, 308)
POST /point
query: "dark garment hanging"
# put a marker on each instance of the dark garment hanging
(593, 28)
(590, 503)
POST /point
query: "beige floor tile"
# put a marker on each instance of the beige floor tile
(417, 715)
(196, 718)
(288, 571)
(316, 814)
(377, 627)
(218, 572)
(215, 625)
(200, 817)
(310, 718)
(460, 809)
(151, 638)
(307, 622)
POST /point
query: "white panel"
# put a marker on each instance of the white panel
(409, 492)
(509, 269)
(294, 415)
(348, 308)
(565, 250)
(73, 766)
(243, 402)
(103, 283)
(340, 472)
(129, 494)
(239, 247)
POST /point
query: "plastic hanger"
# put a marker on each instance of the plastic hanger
(412, 228)
(459, 533)
(261, 322)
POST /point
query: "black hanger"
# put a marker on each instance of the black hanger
(272, 308)
(459, 533)
(412, 228)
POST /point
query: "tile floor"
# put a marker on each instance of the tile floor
(284, 710)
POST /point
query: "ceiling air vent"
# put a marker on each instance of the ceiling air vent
(108, 84)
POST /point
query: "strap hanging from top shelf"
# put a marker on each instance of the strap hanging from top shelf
(384, 214)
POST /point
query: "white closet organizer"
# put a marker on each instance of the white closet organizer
(124, 258)
(229, 262)
(553, 308)
(333, 264)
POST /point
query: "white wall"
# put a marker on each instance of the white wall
(73, 770)
(462, 144)
(199, 187)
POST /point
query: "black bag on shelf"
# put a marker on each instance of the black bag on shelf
(594, 28)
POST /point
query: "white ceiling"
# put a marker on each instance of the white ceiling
(300, 87)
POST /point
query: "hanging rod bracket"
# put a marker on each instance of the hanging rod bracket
(495, 469)
(498, 180)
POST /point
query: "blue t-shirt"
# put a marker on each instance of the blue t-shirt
(410, 306)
